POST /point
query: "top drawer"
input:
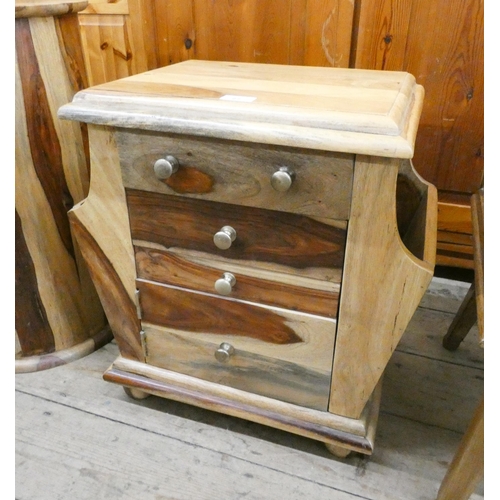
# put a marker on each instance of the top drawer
(239, 173)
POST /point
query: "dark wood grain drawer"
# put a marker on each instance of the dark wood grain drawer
(274, 289)
(281, 354)
(265, 240)
(239, 173)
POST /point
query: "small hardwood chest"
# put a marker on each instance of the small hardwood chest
(258, 237)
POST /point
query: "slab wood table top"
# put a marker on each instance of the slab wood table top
(258, 237)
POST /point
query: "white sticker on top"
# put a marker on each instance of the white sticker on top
(237, 98)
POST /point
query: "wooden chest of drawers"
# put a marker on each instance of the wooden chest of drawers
(258, 237)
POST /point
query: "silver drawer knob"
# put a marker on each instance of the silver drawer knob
(165, 167)
(282, 179)
(225, 285)
(225, 237)
(224, 352)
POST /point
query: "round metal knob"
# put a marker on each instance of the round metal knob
(282, 179)
(224, 285)
(165, 167)
(224, 352)
(225, 237)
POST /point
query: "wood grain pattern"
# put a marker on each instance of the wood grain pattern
(246, 370)
(264, 237)
(36, 363)
(330, 109)
(176, 34)
(454, 213)
(455, 246)
(33, 331)
(284, 32)
(101, 223)
(219, 26)
(448, 62)
(196, 312)
(44, 142)
(382, 287)
(120, 310)
(56, 302)
(279, 353)
(328, 32)
(238, 173)
(48, 8)
(386, 34)
(107, 7)
(417, 435)
(118, 41)
(323, 426)
(266, 288)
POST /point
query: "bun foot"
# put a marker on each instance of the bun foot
(135, 393)
(338, 451)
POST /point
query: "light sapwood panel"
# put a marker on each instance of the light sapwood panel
(101, 227)
(382, 286)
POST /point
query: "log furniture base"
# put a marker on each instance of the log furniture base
(258, 237)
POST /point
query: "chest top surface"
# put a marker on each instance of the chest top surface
(333, 109)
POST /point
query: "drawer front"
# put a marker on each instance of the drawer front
(277, 353)
(264, 239)
(239, 173)
(264, 287)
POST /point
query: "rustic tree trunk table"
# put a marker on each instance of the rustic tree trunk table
(58, 315)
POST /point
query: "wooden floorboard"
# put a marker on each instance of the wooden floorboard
(79, 437)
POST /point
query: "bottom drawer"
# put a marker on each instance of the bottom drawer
(277, 353)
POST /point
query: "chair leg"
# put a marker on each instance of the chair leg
(467, 466)
(464, 320)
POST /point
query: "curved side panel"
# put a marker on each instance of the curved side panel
(101, 226)
(383, 283)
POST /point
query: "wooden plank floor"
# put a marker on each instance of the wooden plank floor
(81, 438)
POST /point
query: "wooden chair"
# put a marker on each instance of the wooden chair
(467, 466)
